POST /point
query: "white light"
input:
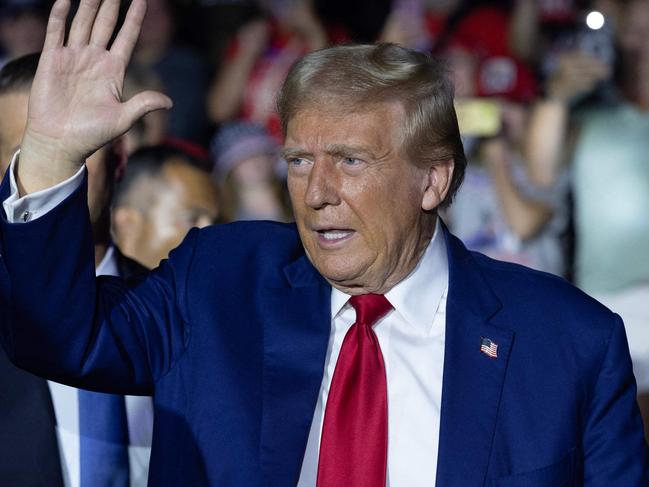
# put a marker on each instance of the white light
(595, 20)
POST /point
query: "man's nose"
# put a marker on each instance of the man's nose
(322, 188)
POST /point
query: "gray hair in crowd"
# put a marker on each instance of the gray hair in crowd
(354, 77)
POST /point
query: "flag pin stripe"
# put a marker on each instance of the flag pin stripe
(489, 347)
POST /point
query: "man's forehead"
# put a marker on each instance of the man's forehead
(335, 127)
(340, 106)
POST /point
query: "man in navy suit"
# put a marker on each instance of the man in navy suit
(362, 346)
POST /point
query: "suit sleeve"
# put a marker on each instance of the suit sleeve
(61, 322)
(615, 451)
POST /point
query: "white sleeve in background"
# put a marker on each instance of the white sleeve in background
(37, 204)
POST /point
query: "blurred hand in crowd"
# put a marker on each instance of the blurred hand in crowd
(577, 74)
(299, 17)
(406, 26)
(253, 38)
(259, 59)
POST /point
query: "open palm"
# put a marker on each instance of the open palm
(76, 105)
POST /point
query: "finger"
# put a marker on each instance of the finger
(82, 23)
(105, 22)
(130, 31)
(141, 104)
(583, 87)
(594, 71)
(589, 63)
(55, 34)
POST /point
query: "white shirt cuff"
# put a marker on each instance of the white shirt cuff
(35, 205)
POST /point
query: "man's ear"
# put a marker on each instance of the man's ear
(438, 183)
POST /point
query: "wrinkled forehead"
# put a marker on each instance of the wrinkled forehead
(328, 108)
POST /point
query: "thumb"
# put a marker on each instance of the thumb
(141, 104)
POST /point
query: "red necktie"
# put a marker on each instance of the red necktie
(354, 442)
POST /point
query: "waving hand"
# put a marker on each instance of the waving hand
(76, 105)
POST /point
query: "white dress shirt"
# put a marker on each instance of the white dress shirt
(36, 204)
(411, 337)
(412, 342)
(139, 409)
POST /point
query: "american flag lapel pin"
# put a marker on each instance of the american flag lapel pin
(488, 347)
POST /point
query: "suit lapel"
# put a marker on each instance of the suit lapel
(473, 381)
(296, 334)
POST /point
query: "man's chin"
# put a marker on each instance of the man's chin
(341, 276)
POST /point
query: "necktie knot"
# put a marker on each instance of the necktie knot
(370, 308)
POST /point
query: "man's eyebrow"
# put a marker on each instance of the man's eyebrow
(332, 149)
(288, 152)
(346, 150)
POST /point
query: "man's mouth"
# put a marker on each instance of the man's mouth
(332, 236)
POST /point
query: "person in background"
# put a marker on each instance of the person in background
(154, 127)
(15, 82)
(429, 25)
(22, 27)
(498, 211)
(52, 434)
(259, 58)
(164, 193)
(540, 28)
(246, 165)
(181, 70)
(606, 145)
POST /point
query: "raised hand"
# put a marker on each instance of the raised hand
(577, 74)
(76, 105)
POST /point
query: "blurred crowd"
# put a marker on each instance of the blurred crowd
(552, 102)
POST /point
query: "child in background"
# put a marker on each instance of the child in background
(247, 166)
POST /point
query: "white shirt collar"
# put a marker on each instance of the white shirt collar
(108, 265)
(418, 296)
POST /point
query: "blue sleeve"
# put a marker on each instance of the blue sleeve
(61, 322)
(614, 447)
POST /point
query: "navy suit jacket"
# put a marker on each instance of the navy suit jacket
(230, 334)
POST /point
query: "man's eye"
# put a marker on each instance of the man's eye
(351, 161)
(296, 161)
